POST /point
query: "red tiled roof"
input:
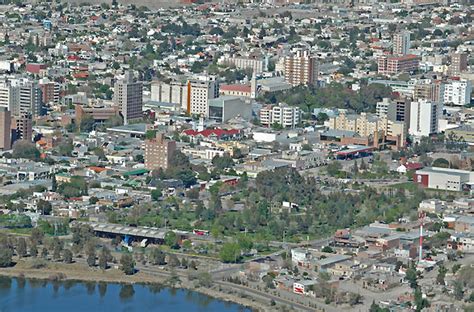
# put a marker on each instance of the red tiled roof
(413, 166)
(236, 87)
(208, 132)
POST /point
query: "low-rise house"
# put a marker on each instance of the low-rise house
(304, 287)
(463, 242)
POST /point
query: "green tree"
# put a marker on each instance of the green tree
(44, 207)
(127, 263)
(21, 247)
(87, 123)
(33, 250)
(420, 302)
(6, 255)
(90, 253)
(171, 239)
(67, 256)
(25, 149)
(157, 257)
(411, 276)
(156, 194)
(103, 258)
(230, 253)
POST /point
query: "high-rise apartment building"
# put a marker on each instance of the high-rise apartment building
(301, 68)
(200, 91)
(50, 91)
(458, 63)
(389, 65)
(428, 89)
(5, 129)
(458, 92)
(395, 110)
(401, 43)
(281, 114)
(424, 117)
(158, 152)
(23, 127)
(128, 96)
(21, 96)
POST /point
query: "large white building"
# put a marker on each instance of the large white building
(281, 114)
(401, 43)
(424, 117)
(21, 96)
(458, 92)
(201, 90)
(175, 92)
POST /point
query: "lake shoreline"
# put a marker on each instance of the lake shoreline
(60, 272)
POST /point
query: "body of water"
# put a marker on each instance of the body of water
(28, 295)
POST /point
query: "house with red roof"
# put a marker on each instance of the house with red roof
(213, 134)
(244, 90)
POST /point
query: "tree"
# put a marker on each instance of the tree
(44, 253)
(87, 123)
(334, 168)
(44, 207)
(91, 254)
(21, 247)
(54, 183)
(127, 263)
(103, 257)
(67, 256)
(327, 249)
(412, 277)
(230, 253)
(420, 302)
(441, 163)
(171, 239)
(458, 290)
(25, 149)
(157, 257)
(223, 162)
(441, 275)
(173, 260)
(6, 255)
(156, 194)
(33, 250)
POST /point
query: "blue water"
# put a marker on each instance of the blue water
(37, 296)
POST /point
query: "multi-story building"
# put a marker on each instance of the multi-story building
(301, 68)
(30, 99)
(401, 43)
(424, 117)
(227, 107)
(389, 65)
(5, 129)
(281, 114)
(200, 91)
(50, 91)
(23, 127)
(458, 63)
(175, 92)
(158, 152)
(21, 96)
(128, 96)
(395, 110)
(458, 92)
(378, 128)
(430, 90)
(252, 61)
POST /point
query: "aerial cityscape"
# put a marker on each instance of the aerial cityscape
(237, 155)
